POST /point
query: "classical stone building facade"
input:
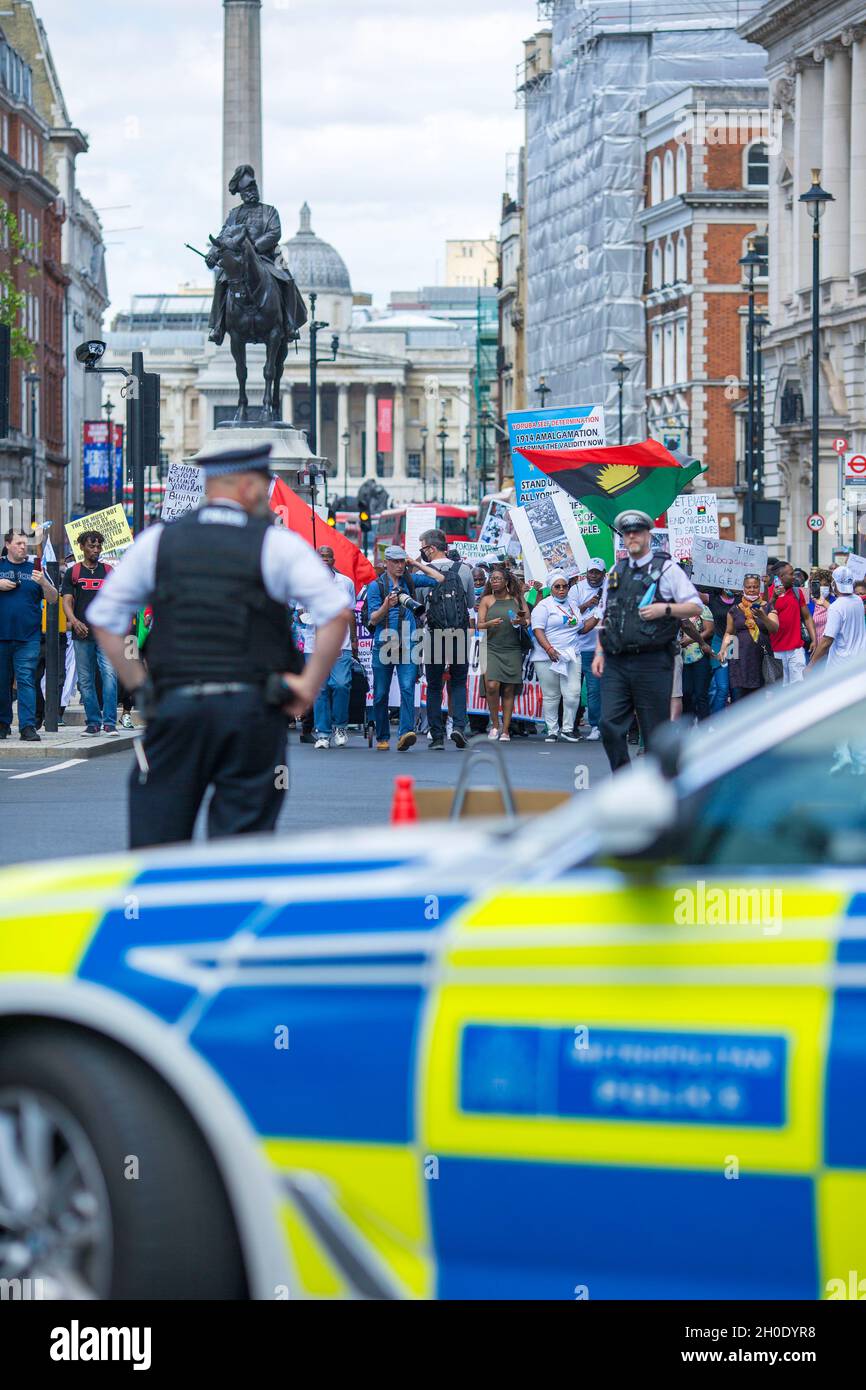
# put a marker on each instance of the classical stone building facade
(816, 66)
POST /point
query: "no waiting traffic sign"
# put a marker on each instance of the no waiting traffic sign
(815, 522)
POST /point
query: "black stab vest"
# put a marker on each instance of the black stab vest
(213, 619)
(624, 632)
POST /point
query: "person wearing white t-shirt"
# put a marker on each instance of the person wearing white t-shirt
(844, 637)
(332, 705)
(588, 595)
(557, 625)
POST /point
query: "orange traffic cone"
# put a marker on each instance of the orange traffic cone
(403, 808)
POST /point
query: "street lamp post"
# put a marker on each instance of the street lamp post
(442, 436)
(816, 199)
(33, 379)
(620, 371)
(467, 440)
(543, 391)
(108, 407)
(485, 417)
(761, 322)
(750, 262)
(346, 440)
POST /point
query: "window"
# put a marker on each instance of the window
(656, 181)
(36, 324)
(762, 246)
(414, 408)
(668, 181)
(682, 258)
(682, 170)
(682, 366)
(757, 166)
(670, 264)
(657, 267)
(449, 465)
(413, 465)
(781, 807)
(657, 357)
(669, 362)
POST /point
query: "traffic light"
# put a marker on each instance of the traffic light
(366, 524)
(332, 517)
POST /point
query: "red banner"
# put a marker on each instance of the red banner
(386, 427)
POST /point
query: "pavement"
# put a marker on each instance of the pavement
(75, 805)
(66, 743)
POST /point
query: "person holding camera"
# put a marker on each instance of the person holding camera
(392, 613)
(224, 671)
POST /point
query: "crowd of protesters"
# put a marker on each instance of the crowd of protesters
(781, 624)
(23, 587)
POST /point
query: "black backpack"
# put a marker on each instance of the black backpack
(384, 592)
(447, 607)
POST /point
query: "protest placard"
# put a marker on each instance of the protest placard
(690, 515)
(562, 546)
(184, 489)
(111, 523)
(724, 564)
(857, 566)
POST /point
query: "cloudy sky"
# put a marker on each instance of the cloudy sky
(392, 118)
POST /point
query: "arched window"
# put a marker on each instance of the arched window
(682, 258)
(682, 170)
(668, 181)
(656, 282)
(757, 165)
(670, 263)
(656, 181)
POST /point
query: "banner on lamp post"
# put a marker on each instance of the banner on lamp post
(96, 463)
(385, 426)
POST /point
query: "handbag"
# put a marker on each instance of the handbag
(772, 669)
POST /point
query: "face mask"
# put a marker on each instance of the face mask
(479, 590)
(824, 590)
(561, 598)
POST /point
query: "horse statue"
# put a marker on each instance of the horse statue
(256, 299)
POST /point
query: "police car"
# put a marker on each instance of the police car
(618, 1052)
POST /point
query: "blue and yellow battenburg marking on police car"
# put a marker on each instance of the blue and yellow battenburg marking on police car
(531, 1093)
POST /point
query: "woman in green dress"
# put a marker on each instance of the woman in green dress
(502, 612)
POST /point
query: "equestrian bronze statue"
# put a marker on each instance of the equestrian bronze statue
(255, 299)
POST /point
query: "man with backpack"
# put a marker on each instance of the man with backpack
(453, 595)
(390, 611)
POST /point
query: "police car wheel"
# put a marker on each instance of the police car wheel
(107, 1188)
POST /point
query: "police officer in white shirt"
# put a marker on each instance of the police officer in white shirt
(647, 597)
(220, 654)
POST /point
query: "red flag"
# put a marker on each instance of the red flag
(298, 517)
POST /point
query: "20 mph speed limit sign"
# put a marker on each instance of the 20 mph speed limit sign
(816, 522)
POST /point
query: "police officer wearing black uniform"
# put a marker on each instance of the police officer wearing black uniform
(220, 658)
(646, 597)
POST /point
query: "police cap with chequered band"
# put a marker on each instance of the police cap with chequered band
(255, 460)
(632, 521)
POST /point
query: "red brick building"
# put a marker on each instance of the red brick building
(706, 196)
(33, 201)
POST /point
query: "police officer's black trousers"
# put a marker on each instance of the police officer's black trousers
(234, 743)
(638, 684)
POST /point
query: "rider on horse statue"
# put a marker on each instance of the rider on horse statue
(263, 225)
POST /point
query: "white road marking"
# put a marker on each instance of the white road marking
(40, 771)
